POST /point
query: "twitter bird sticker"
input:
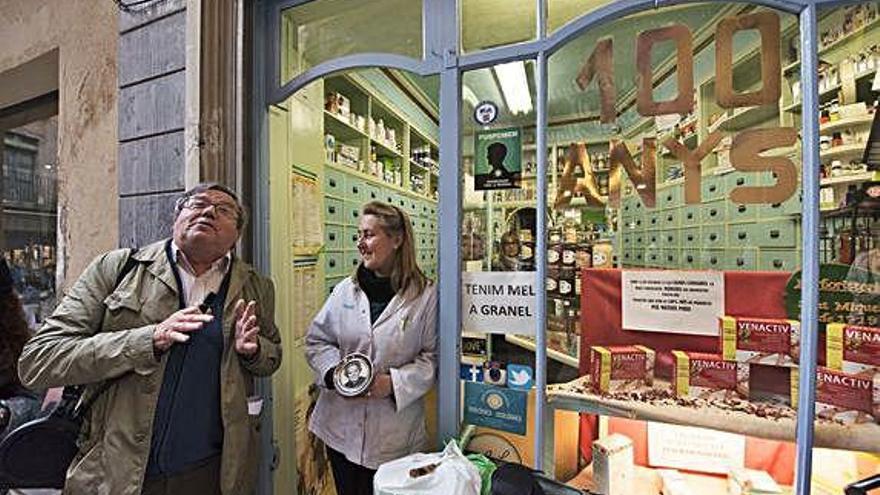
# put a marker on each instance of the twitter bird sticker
(520, 376)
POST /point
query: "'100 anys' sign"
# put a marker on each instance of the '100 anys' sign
(747, 146)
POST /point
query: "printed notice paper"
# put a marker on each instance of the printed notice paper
(688, 302)
(498, 302)
(694, 449)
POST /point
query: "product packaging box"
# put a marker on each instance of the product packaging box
(621, 368)
(704, 375)
(852, 349)
(843, 397)
(613, 470)
(742, 481)
(760, 340)
(672, 482)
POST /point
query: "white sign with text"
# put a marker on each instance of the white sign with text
(694, 449)
(498, 302)
(688, 302)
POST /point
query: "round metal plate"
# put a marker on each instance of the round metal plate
(353, 375)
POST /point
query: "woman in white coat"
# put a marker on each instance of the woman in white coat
(386, 310)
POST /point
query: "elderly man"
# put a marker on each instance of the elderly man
(180, 338)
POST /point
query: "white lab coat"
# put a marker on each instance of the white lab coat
(402, 342)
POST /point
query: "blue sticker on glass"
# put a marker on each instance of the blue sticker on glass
(495, 407)
(520, 376)
(471, 372)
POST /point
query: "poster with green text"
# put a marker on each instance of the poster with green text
(497, 159)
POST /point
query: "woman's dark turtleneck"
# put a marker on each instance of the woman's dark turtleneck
(378, 290)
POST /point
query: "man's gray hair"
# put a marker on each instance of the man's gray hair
(203, 187)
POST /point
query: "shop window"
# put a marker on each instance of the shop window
(341, 142)
(849, 358)
(324, 30)
(491, 23)
(561, 12)
(28, 214)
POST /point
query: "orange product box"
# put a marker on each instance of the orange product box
(621, 368)
(704, 375)
(760, 340)
(852, 349)
(843, 397)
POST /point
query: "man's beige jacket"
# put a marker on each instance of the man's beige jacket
(74, 347)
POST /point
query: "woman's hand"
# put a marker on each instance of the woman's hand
(381, 387)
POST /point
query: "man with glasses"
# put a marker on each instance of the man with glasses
(180, 329)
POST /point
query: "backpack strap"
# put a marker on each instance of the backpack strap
(70, 404)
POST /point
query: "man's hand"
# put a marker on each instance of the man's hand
(175, 327)
(381, 386)
(246, 328)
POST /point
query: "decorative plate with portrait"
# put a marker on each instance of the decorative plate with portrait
(353, 375)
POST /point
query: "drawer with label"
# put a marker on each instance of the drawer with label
(334, 182)
(333, 237)
(333, 210)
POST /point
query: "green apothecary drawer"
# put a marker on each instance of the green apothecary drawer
(355, 190)
(654, 220)
(333, 237)
(742, 259)
(432, 240)
(736, 179)
(422, 241)
(670, 197)
(334, 182)
(627, 257)
(628, 239)
(775, 233)
(388, 196)
(334, 263)
(690, 237)
(713, 212)
(639, 240)
(653, 239)
(671, 238)
(349, 241)
(352, 260)
(351, 213)
(671, 258)
(372, 193)
(789, 207)
(690, 259)
(741, 212)
(671, 218)
(741, 235)
(639, 257)
(787, 260)
(639, 222)
(713, 259)
(712, 188)
(714, 236)
(333, 210)
(690, 216)
(654, 258)
(412, 206)
(401, 201)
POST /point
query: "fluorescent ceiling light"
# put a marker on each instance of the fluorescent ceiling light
(515, 86)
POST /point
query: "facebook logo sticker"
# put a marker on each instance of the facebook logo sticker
(520, 376)
(471, 372)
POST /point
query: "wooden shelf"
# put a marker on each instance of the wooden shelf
(551, 353)
(796, 106)
(837, 43)
(832, 126)
(376, 180)
(778, 421)
(383, 149)
(848, 150)
(336, 125)
(744, 118)
(846, 179)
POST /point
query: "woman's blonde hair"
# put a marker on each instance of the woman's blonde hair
(407, 278)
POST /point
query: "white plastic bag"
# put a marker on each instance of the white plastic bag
(453, 474)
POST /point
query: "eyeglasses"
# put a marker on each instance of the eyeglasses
(224, 209)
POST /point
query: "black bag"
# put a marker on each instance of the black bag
(38, 453)
(515, 479)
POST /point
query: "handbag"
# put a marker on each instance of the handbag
(38, 453)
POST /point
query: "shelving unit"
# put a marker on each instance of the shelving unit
(383, 168)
